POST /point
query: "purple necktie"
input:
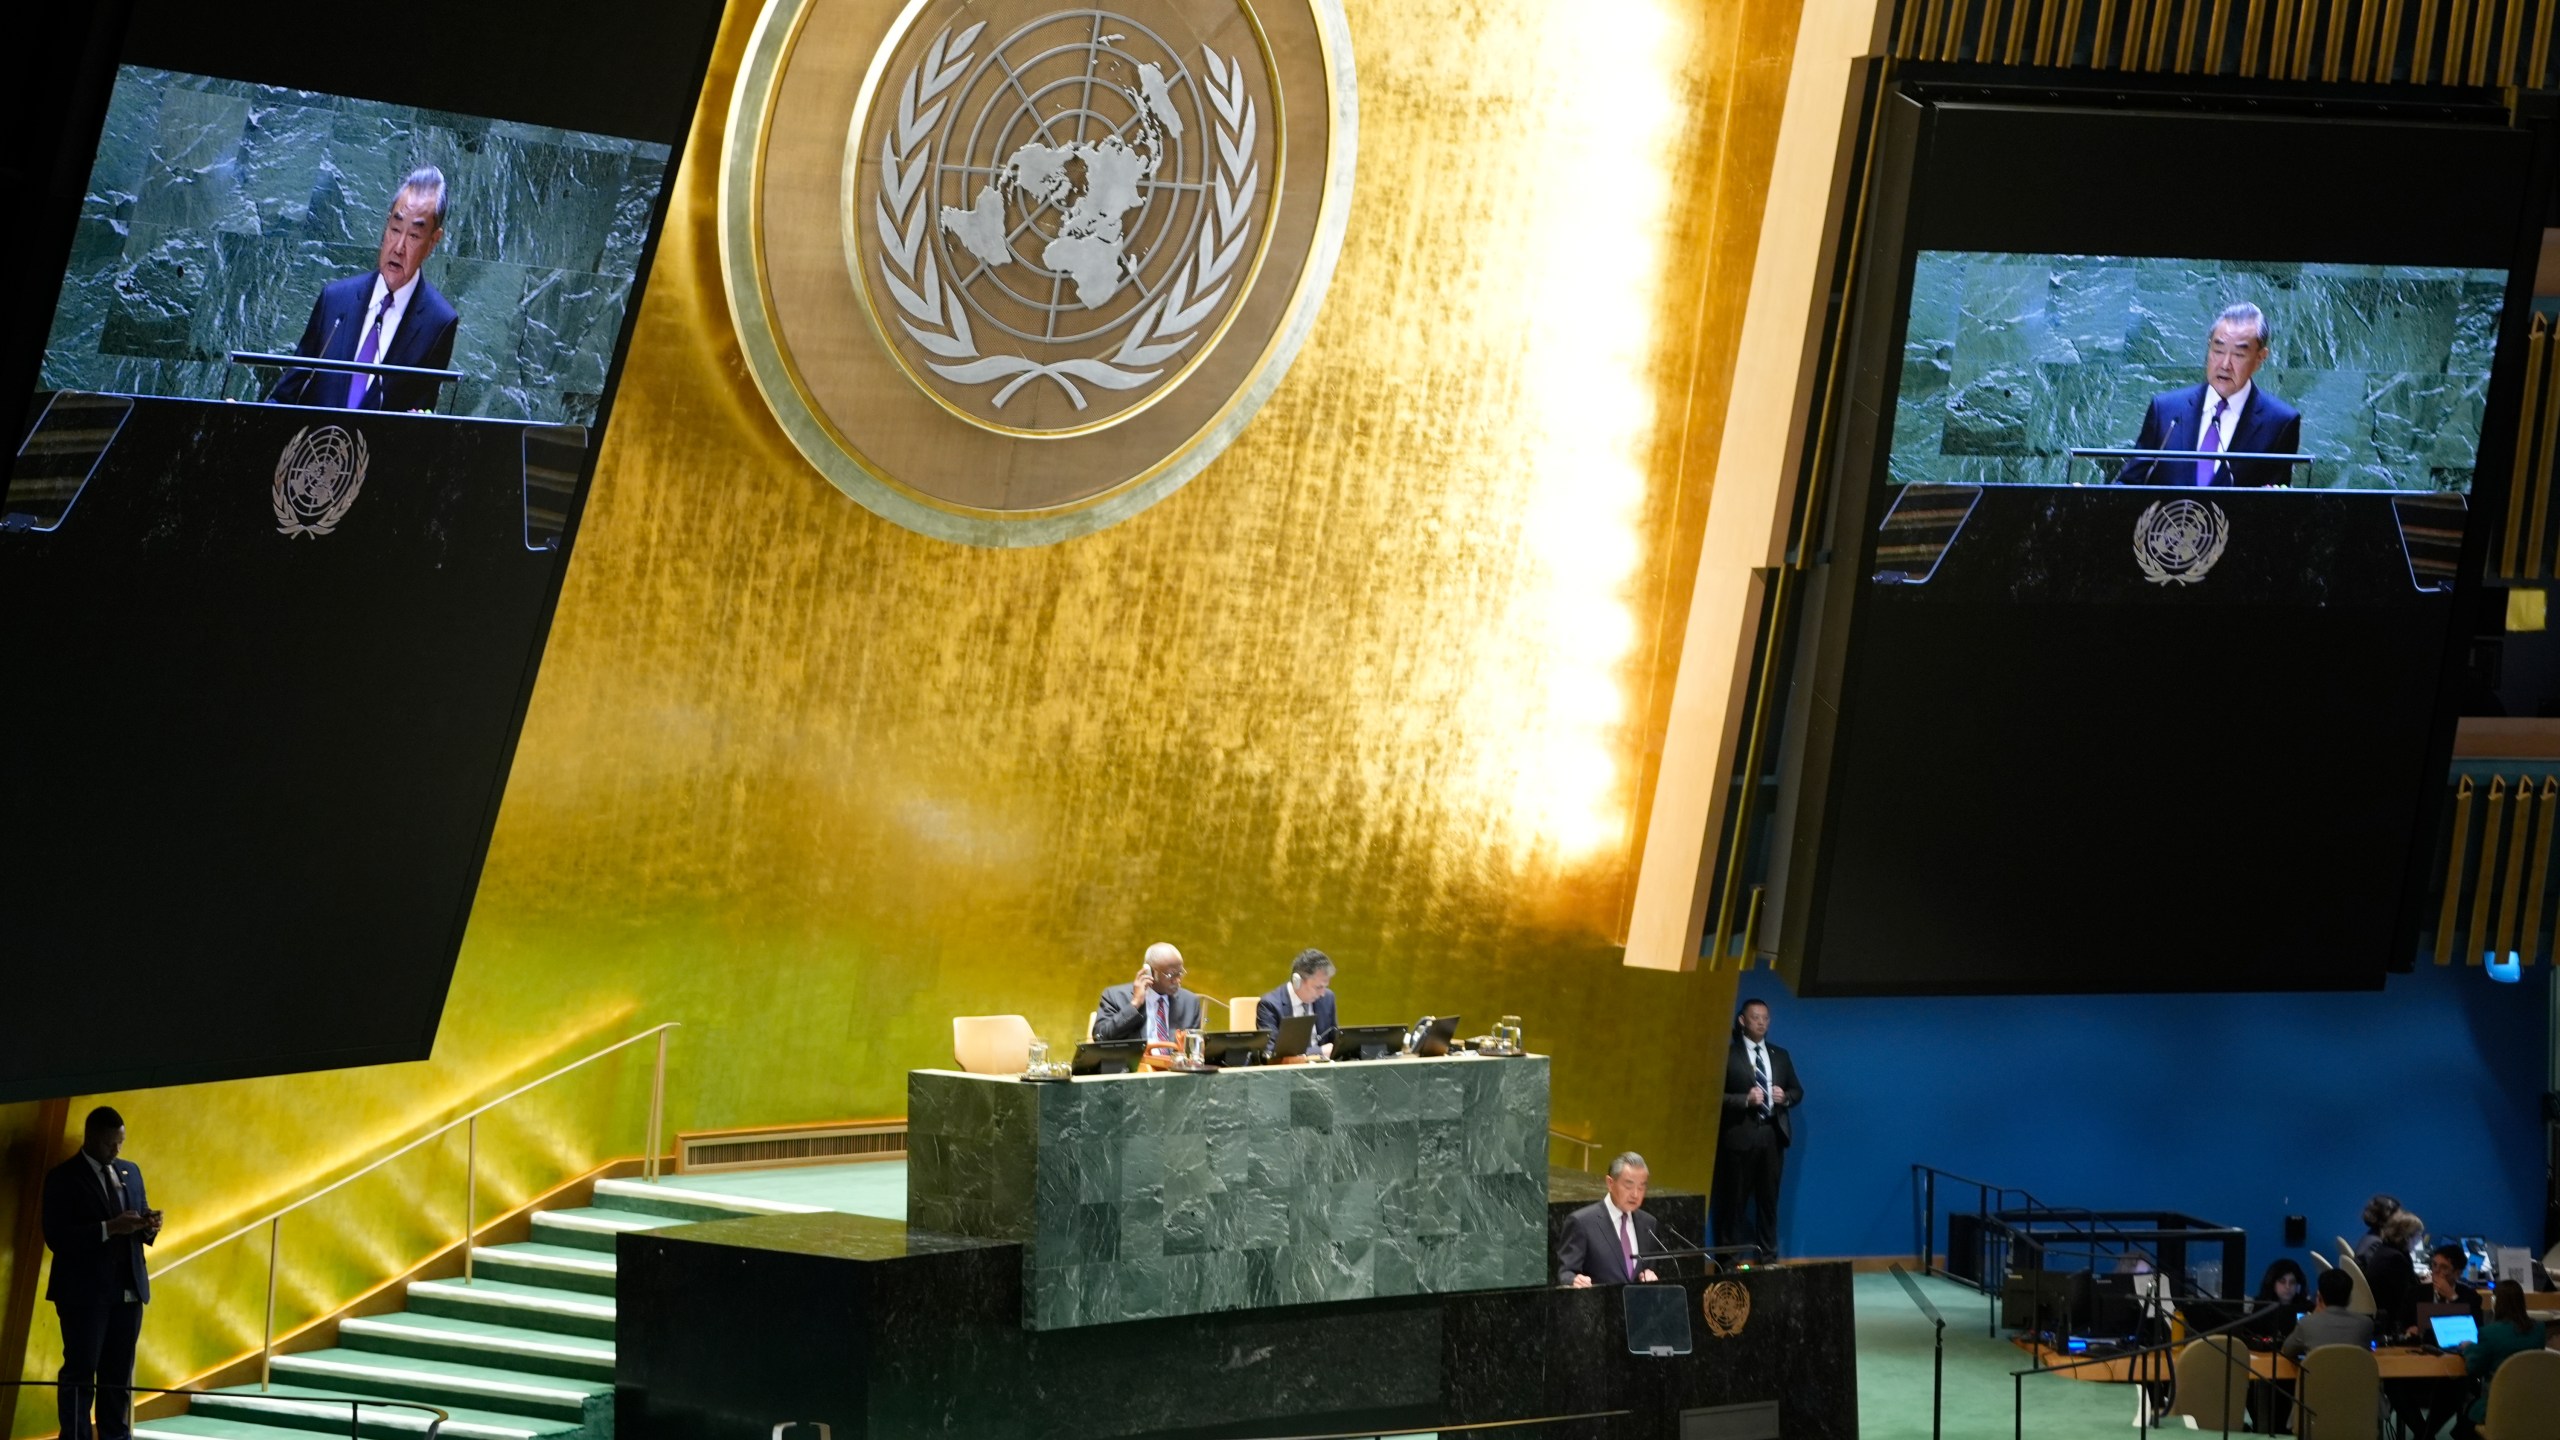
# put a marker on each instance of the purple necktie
(357, 384)
(2212, 441)
(1627, 1242)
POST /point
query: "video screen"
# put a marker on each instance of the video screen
(227, 218)
(316, 341)
(2065, 369)
(2130, 650)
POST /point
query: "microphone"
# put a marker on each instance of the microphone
(276, 388)
(1665, 1227)
(2151, 463)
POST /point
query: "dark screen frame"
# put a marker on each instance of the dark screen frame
(634, 69)
(1968, 162)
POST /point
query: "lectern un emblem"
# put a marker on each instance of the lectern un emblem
(319, 473)
(1008, 273)
(2177, 541)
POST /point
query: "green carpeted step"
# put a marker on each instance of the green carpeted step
(673, 1200)
(446, 1383)
(502, 1302)
(507, 1347)
(592, 1229)
(307, 1408)
(562, 1267)
(192, 1426)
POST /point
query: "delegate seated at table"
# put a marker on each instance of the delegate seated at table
(1308, 992)
(2425, 1405)
(2330, 1321)
(2511, 1331)
(1154, 1007)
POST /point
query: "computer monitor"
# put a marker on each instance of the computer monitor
(1108, 1057)
(1368, 1042)
(1231, 1048)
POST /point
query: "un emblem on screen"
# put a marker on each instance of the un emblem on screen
(1007, 272)
(318, 476)
(2175, 542)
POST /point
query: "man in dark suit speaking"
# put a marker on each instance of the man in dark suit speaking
(1760, 1092)
(2229, 411)
(1605, 1242)
(1154, 1007)
(389, 315)
(1309, 992)
(96, 1221)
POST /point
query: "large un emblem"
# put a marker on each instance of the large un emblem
(1008, 272)
(319, 473)
(2177, 541)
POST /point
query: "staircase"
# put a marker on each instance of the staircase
(523, 1351)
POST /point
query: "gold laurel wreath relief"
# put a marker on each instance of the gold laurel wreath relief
(288, 520)
(937, 317)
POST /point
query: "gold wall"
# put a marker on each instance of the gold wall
(1388, 678)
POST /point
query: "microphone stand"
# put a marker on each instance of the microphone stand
(304, 370)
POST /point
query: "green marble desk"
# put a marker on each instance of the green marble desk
(1142, 1196)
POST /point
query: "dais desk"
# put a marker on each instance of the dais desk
(1145, 1196)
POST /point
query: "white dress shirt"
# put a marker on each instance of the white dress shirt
(1630, 1239)
(2230, 421)
(1759, 1055)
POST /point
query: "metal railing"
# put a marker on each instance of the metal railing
(1938, 1355)
(438, 1418)
(469, 1123)
(1588, 1146)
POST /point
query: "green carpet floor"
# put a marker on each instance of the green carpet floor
(1893, 1375)
(874, 1187)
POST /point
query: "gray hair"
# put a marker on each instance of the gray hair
(2240, 313)
(1162, 951)
(427, 183)
(1310, 961)
(1626, 1162)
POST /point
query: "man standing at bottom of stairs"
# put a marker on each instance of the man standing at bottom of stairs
(96, 1222)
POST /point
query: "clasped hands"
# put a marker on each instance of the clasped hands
(1774, 1095)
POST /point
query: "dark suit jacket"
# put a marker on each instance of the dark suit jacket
(338, 319)
(1117, 1018)
(2268, 426)
(1742, 1128)
(1590, 1245)
(1273, 1008)
(89, 1269)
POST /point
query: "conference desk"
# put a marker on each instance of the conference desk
(1146, 1196)
(2395, 1363)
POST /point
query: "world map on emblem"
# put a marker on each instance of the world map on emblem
(1066, 209)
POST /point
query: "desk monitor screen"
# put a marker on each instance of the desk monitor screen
(1368, 1042)
(2452, 1331)
(1108, 1057)
(1231, 1047)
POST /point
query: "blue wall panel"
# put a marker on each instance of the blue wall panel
(2240, 1109)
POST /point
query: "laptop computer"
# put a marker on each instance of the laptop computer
(1297, 1033)
(2454, 1330)
(1107, 1057)
(1433, 1033)
(1368, 1042)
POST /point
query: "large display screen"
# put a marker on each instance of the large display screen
(323, 328)
(2016, 366)
(2131, 658)
(225, 216)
